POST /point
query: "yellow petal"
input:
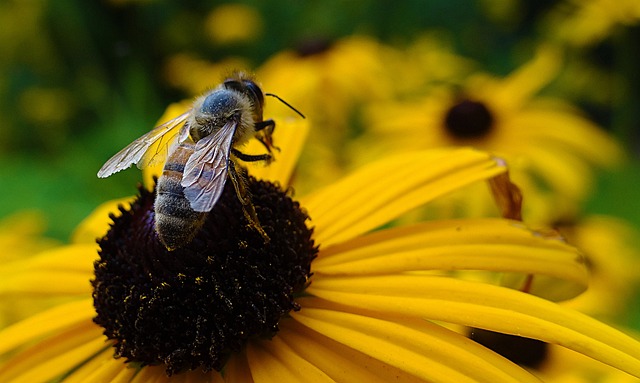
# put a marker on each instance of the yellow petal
(380, 192)
(471, 244)
(274, 361)
(46, 283)
(55, 319)
(98, 222)
(125, 374)
(106, 369)
(340, 362)
(570, 132)
(290, 136)
(90, 365)
(55, 356)
(64, 270)
(560, 170)
(421, 348)
(237, 369)
(76, 257)
(522, 84)
(484, 306)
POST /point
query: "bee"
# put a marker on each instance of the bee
(202, 155)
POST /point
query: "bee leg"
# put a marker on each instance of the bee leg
(266, 127)
(251, 157)
(260, 125)
(238, 180)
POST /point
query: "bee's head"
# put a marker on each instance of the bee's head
(250, 89)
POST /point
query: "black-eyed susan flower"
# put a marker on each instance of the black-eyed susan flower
(611, 252)
(331, 79)
(334, 296)
(550, 147)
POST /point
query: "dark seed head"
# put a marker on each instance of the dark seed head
(192, 307)
(313, 46)
(468, 120)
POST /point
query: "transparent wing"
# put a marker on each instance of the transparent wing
(134, 153)
(205, 173)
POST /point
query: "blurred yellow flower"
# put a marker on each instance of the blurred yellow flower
(612, 250)
(233, 23)
(325, 80)
(550, 147)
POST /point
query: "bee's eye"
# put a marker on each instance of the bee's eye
(255, 90)
(234, 84)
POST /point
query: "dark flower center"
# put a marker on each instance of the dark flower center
(192, 307)
(313, 46)
(468, 119)
(523, 351)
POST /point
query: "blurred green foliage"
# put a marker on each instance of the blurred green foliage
(81, 79)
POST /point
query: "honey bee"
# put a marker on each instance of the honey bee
(202, 154)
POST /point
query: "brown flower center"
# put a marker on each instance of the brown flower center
(468, 120)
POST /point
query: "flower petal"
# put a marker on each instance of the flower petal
(470, 244)
(97, 223)
(380, 192)
(484, 306)
(237, 369)
(103, 368)
(340, 362)
(274, 361)
(418, 347)
(91, 364)
(55, 356)
(55, 319)
(565, 128)
(290, 138)
(520, 85)
(45, 283)
(64, 270)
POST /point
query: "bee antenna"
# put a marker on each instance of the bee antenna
(286, 103)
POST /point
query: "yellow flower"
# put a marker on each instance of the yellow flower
(550, 147)
(586, 22)
(233, 23)
(330, 80)
(611, 248)
(325, 80)
(370, 307)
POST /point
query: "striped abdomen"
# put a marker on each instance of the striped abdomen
(176, 223)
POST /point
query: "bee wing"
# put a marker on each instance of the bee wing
(205, 172)
(134, 153)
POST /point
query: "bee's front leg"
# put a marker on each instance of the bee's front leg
(266, 127)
